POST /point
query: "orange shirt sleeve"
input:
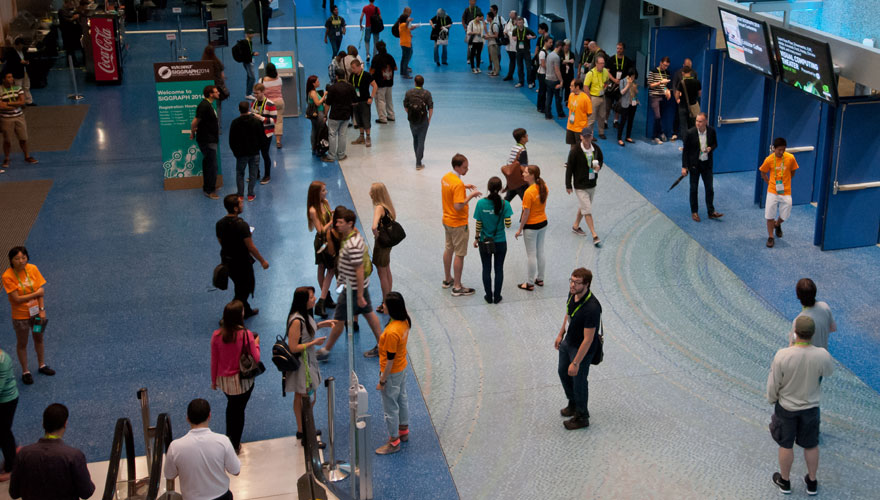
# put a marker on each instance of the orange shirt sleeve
(765, 167)
(588, 105)
(10, 284)
(458, 193)
(38, 279)
(793, 164)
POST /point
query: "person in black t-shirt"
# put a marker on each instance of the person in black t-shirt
(340, 98)
(577, 345)
(334, 30)
(237, 251)
(205, 129)
(382, 70)
(364, 89)
(687, 93)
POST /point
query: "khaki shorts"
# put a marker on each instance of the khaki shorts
(16, 126)
(457, 239)
(585, 197)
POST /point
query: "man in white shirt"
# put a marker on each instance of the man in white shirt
(202, 458)
(793, 386)
(817, 310)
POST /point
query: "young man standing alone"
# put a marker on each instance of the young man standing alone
(12, 119)
(778, 171)
(455, 219)
(205, 129)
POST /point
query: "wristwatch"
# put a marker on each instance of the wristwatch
(382, 382)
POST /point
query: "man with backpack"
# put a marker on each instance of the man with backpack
(243, 52)
(419, 107)
(578, 341)
(353, 268)
(373, 25)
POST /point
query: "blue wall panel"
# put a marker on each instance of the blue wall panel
(852, 218)
(740, 94)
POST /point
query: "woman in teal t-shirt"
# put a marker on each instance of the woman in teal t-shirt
(493, 216)
(8, 403)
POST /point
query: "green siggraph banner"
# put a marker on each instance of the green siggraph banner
(179, 87)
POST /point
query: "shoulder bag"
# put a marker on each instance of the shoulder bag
(248, 367)
(693, 109)
(390, 232)
(489, 244)
(599, 355)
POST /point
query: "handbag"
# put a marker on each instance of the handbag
(693, 109)
(248, 367)
(599, 355)
(311, 109)
(224, 92)
(390, 232)
(221, 277)
(489, 245)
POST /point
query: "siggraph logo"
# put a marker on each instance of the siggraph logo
(164, 72)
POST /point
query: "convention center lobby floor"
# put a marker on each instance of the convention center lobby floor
(693, 313)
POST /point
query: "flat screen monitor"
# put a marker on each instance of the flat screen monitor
(282, 62)
(805, 64)
(748, 42)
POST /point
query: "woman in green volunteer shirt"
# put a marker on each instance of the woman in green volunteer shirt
(24, 287)
(492, 215)
(8, 403)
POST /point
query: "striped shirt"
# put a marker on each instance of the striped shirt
(523, 157)
(265, 111)
(8, 95)
(273, 89)
(351, 256)
(657, 75)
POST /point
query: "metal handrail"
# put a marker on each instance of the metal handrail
(855, 187)
(730, 121)
(122, 434)
(160, 445)
(800, 149)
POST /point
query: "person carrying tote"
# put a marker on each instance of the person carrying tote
(227, 344)
(493, 216)
(382, 207)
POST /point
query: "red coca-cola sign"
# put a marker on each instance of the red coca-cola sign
(104, 52)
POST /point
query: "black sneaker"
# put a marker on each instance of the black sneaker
(812, 486)
(372, 353)
(458, 292)
(779, 230)
(783, 485)
(252, 313)
(266, 180)
(27, 378)
(577, 422)
(45, 370)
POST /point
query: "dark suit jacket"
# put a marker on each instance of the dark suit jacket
(12, 63)
(690, 155)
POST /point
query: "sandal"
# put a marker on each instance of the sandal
(31, 159)
(381, 308)
(539, 282)
(526, 286)
(630, 140)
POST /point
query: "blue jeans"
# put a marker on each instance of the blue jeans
(336, 137)
(335, 43)
(251, 79)
(438, 49)
(486, 257)
(367, 41)
(209, 166)
(576, 388)
(534, 240)
(419, 133)
(523, 59)
(552, 92)
(251, 163)
(405, 56)
(394, 403)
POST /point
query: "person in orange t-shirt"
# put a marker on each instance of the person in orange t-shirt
(778, 170)
(405, 25)
(24, 287)
(455, 219)
(579, 110)
(533, 225)
(392, 373)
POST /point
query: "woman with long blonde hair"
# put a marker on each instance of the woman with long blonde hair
(382, 208)
(319, 217)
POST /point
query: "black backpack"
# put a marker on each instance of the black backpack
(241, 51)
(376, 23)
(285, 360)
(599, 355)
(502, 39)
(395, 29)
(418, 109)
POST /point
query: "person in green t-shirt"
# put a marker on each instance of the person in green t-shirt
(493, 216)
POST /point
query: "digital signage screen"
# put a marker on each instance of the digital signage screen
(748, 42)
(282, 62)
(805, 64)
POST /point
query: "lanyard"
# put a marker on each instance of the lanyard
(584, 55)
(601, 75)
(521, 34)
(589, 155)
(262, 107)
(335, 20)
(779, 168)
(26, 278)
(579, 305)
(443, 23)
(801, 343)
(358, 86)
(662, 73)
(52, 436)
(618, 63)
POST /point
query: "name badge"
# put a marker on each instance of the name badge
(780, 187)
(33, 308)
(338, 33)
(521, 45)
(357, 92)
(571, 117)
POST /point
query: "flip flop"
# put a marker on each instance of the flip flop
(526, 286)
(539, 282)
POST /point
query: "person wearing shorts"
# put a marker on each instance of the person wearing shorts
(581, 173)
(351, 271)
(793, 387)
(365, 88)
(455, 218)
(12, 122)
(778, 171)
(579, 110)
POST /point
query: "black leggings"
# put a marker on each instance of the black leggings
(627, 115)
(235, 406)
(476, 54)
(7, 440)
(267, 160)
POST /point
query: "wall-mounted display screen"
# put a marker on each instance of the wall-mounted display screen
(805, 64)
(748, 42)
(282, 62)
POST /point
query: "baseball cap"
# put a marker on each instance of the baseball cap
(587, 132)
(804, 324)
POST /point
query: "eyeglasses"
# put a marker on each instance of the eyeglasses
(575, 282)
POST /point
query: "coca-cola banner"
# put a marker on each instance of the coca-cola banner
(104, 49)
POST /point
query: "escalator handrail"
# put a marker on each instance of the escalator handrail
(121, 434)
(160, 445)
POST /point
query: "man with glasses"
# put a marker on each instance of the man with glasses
(577, 342)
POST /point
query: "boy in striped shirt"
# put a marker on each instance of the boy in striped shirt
(12, 119)
(265, 110)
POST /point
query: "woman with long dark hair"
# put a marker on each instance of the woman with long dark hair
(272, 83)
(316, 96)
(24, 288)
(492, 215)
(319, 216)
(392, 373)
(301, 328)
(219, 75)
(533, 226)
(227, 344)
